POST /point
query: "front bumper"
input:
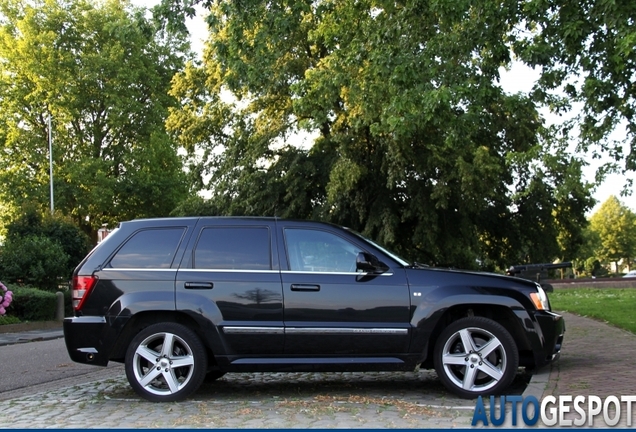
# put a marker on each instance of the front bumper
(552, 328)
(88, 339)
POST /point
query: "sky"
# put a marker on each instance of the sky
(518, 79)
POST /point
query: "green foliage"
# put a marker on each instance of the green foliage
(194, 206)
(101, 71)
(34, 260)
(586, 50)
(615, 226)
(4, 320)
(593, 267)
(32, 304)
(411, 140)
(615, 306)
(74, 242)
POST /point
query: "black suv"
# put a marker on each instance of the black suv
(181, 300)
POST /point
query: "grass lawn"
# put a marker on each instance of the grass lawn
(616, 306)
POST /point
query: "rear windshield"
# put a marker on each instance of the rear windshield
(149, 248)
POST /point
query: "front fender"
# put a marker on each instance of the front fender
(436, 308)
(425, 313)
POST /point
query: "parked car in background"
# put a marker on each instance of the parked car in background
(180, 300)
(630, 274)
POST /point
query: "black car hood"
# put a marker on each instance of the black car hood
(443, 276)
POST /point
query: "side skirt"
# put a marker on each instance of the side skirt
(314, 364)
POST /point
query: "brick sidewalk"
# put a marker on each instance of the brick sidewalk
(596, 359)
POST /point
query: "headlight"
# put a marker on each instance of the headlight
(540, 299)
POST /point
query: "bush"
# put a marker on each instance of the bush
(4, 320)
(34, 260)
(594, 268)
(32, 304)
(74, 242)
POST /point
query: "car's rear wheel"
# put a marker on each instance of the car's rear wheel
(166, 362)
(476, 356)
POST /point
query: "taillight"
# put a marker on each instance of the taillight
(82, 286)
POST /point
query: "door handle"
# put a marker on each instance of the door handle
(199, 285)
(305, 287)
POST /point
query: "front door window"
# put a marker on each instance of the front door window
(319, 251)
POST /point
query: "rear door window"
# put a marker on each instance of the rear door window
(151, 248)
(233, 248)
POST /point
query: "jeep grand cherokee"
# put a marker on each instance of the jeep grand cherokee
(180, 300)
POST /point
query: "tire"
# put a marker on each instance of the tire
(491, 358)
(167, 373)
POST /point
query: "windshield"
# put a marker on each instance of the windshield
(400, 260)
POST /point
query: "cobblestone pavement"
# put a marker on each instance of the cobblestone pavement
(268, 400)
(597, 359)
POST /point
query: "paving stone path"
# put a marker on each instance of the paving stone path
(268, 400)
(597, 359)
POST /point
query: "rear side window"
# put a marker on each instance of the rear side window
(151, 248)
(233, 248)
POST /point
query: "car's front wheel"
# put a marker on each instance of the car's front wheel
(476, 356)
(166, 362)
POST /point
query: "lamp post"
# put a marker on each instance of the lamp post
(51, 162)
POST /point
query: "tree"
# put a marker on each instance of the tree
(586, 51)
(585, 262)
(101, 71)
(615, 225)
(416, 144)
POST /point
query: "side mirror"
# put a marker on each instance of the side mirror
(369, 263)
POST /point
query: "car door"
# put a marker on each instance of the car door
(232, 280)
(332, 309)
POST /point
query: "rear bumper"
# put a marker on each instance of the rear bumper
(552, 328)
(88, 340)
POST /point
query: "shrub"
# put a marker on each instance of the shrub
(59, 229)
(73, 240)
(34, 260)
(32, 304)
(6, 319)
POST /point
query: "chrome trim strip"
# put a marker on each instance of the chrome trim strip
(253, 330)
(87, 320)
(245, 271)
(319, 360)
(139, 269)
(340, 330)
(87, 350)
(312, 330)
(226, 271)
(335, 273)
